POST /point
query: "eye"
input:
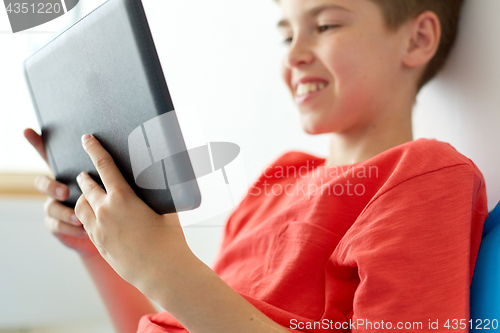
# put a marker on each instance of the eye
(322, 28)
(287, 41)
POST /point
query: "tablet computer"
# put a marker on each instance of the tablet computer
(102, 76)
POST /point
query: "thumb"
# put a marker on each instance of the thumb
(37, 142)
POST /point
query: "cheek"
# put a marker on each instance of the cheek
(286, 74)
(348, 62)
(351, 67)
(354, 68)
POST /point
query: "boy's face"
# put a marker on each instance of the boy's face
(344, 50)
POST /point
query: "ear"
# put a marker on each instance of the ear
(424, 38)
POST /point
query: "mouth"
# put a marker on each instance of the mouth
(307, 91)
(303, 89)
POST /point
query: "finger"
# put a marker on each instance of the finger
(51, 187)
(57, 210)
(37, 142)
(93, 193)
(110, 175)
(84, 212)
(60, 227)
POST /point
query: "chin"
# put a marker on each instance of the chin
(314, 125)
(314, 129)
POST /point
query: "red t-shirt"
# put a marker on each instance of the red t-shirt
(393, 239)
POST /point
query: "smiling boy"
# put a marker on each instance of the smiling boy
(372, 72)
(402, 250)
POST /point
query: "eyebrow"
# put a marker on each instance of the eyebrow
(313, 12)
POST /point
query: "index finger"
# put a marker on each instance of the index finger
(110, 175)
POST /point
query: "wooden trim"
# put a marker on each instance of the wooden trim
(20, 184)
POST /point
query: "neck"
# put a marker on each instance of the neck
(359, 145)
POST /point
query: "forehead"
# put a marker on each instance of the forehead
(298, 9)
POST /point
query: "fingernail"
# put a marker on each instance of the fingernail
(79, 177)
(60, 192)
(86, 137)
(74, 218)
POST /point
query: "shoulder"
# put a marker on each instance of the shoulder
(428, 153)
(425, 158)
(427, 172)
(439, 152)
(425, 184)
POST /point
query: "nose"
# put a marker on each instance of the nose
(299, 53)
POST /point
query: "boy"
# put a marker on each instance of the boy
(388, 239)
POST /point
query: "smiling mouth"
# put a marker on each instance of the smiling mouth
(306, 88)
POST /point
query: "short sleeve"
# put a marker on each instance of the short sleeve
(415, 247)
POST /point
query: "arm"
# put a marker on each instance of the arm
(201, 301)
(124, 303)
(150, 251)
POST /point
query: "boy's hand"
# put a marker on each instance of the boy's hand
(131, 237)
(60, 219)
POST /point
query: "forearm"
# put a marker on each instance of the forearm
(124, 303)
(203, 303)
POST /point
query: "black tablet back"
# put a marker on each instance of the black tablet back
(102, 76)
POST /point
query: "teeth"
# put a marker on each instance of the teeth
(305, 88)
